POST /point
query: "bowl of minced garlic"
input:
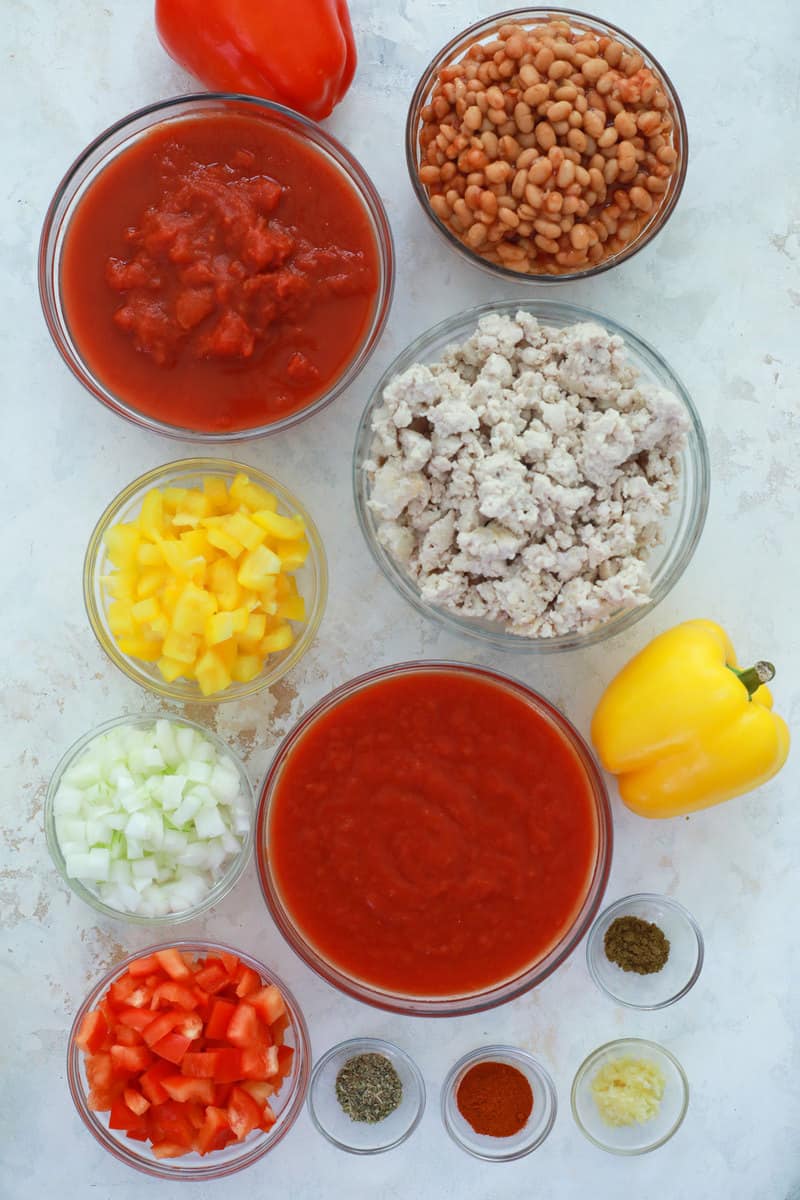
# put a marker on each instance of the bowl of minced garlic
(630, 1096)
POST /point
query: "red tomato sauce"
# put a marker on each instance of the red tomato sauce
(219, 274)
(433, 835)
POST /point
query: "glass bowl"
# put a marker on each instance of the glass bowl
(222, 886)
(119, 137)
(681, 970)
(630, 1139)
(359, 1137)
(312, 580)
(287, 1103)
(535, 1130)
(483, 31)
(682, 528)
(451, 1005)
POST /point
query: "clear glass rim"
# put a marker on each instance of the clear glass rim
(627, 902)
(49, 255)
(587, 1065)
(539, 16)
(188, 691)
(220, 889)
(365, 1045)
(486, 1054)
(696, 455)
(163, 1169)
(507, 989)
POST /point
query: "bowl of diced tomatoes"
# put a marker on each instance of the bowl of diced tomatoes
(189, 1060)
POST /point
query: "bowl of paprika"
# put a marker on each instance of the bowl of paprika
(498, 1103)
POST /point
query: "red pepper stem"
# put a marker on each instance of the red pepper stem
(753, 677)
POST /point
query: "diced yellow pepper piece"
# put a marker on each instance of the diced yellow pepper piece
(194, 607)
(258, 567)
(177, 556)
(173, 498)
(149, 555)
(293, 554)
(121, 585)
(182, 647)
(120, 620)
(197, 543)
(251, 495)
(170, 597)
(211, 673)
(243, 530)
(140, 647)
(293, 608)
(285, 528)
(280, 639)
(159, 625)
(216, 489)
(170, 668)
(223, 625)
(150, 581)
(227, 653)
(151, 518)
(145, 610)
(122, 542)
(285, 585)
(224, 584)
(253, 631)
(222, 539)
(246, 667)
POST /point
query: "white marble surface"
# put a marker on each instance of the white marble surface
(718, 294)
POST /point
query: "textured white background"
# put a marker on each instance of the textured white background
(718, 294)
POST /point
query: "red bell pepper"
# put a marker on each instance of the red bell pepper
(299, 52)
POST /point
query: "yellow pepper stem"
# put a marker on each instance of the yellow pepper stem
(754, 677)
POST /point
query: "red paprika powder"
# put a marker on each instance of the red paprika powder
(495, 1098)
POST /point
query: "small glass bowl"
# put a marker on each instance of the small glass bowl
(119, 137)
(681, 970)
(222, 886)
(535, 1130)
(359, 1137)
(312, 580)
(287, 1104)
(682, 527)
(435, 1006)
(630, 1139)
(484, 31)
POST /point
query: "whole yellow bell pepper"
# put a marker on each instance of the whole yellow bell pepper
(684, 728)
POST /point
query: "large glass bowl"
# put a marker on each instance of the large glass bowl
(287, 1103)
(433, 1006)
(484, 31)
(681, 530)
(312, 580)
(230, 874)
(119, 137)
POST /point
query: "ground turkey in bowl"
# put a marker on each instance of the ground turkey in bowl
(525, 477)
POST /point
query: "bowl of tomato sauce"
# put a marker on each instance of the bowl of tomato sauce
(216, 266)
(433, 838)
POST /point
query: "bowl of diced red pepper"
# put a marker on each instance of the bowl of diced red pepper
(189, 1060)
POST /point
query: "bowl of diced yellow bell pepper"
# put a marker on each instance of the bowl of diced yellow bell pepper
(205, 580)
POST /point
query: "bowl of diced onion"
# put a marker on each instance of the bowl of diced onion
(150, 819)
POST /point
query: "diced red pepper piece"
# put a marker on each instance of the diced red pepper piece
(219, 1019)
(128, 1060)
(200, 1064)
(246, 1030)
(268, 1117)
(174, 993)
(125, 1036)
(170, 1123)
(135, 1101)
(172, 1047)
(92, 1032)
(150, 1082)
(259, 1089)
(212, 1134)
(212, 978)
(259, 1062)
(141, 967)
(179, 1088)
(229, 1066)
(168, 1150)
(173, 963)
(268, 1003)
(121, 989)
(121, 1117)
(222, 1094)
(285, 1060)
(244, 1113)
(278, 1029)
(159, 1026)
(98, 1071)
(247, 981)
(135, 1018)
(229, 961)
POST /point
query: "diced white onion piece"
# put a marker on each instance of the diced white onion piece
(208, 823)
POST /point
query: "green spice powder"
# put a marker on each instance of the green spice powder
(368, 1088)
(636, 945)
